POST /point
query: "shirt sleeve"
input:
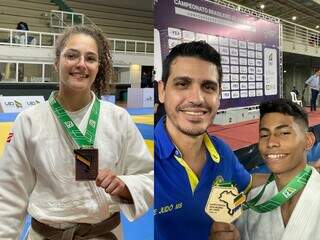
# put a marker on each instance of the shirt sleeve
(241, 177)
(309, 80)
(17, 179)
(137, 169)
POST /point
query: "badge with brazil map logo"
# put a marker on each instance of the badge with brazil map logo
(224, 203)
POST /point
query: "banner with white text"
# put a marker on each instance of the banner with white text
(249, 46)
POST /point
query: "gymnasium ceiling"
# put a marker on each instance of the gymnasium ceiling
(306, 11)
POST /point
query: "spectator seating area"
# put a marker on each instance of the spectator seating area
(115, 20)
(33, 12)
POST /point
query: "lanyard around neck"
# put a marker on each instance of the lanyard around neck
(293, 187)
(83, 141)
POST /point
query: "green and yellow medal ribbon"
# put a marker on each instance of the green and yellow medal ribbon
(238, 200)
(292, 188)
(83, 141)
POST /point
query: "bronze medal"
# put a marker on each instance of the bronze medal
(86, 164)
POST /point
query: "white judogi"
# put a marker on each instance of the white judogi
(37, 172)
(303, 223)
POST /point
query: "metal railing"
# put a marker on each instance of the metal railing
(20, 71)
(117, 45)
(131, 46)
(291, 32)
(246, 10)
(63, 19)
(301, 35)
(13, 37)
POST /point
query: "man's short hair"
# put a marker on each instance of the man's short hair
(285, 107)
(197, 49)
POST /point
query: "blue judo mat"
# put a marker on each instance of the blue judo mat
(140, 111)
(8, 117)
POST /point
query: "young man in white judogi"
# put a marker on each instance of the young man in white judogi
(283, 143)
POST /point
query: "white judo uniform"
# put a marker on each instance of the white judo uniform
(37, 172)
(303, 223)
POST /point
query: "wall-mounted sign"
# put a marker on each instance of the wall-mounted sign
(11, 104)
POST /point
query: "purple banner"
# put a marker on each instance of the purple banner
(249, 46)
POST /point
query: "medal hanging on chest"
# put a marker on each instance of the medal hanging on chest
(86, 156)
(86, 163)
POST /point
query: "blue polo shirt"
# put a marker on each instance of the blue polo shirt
(179, 202)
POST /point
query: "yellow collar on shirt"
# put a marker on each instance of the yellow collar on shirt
(193, 179)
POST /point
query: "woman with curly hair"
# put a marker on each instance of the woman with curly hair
(74, 162)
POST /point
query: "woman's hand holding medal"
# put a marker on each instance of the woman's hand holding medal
(113, 185)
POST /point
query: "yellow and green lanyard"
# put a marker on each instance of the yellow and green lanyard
(292, 188)
(83, 141)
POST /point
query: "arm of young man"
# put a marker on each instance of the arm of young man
(259, 179)
(241, 176)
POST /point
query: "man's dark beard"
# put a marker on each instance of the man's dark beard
(190, 132)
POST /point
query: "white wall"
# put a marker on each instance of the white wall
(135, 75)
(124, 75)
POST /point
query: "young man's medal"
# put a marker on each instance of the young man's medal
(224, 203)
(86, 157)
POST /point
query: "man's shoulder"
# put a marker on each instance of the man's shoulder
(163, 143)
(311, 78)
(219, 143)
(314, 182)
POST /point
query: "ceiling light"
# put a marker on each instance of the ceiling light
(294, 18)
(262, 6)
(317, 26)
(284, 71)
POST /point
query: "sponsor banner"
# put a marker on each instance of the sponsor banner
(13, 104)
